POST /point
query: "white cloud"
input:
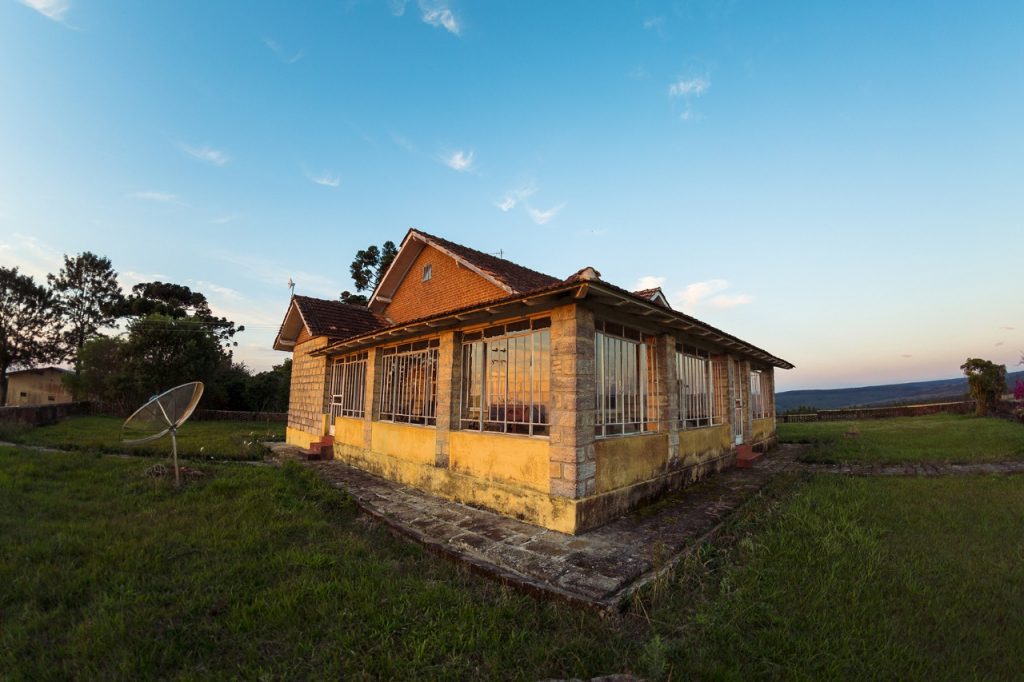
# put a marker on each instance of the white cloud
(224, 220)
(459, 160)
(689, 87)
(225, 292)
(282, 54)
(207, 153)
(648, 282)
(439, 15)
(543, 217)
(403, 142)
(51, 9)
(656, 23)
(163, 197)
(31, 256)
(397, 7)
(513, 197)
(639, 73)
(708, 294)
(326, 179)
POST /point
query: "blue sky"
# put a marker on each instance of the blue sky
(839, 183)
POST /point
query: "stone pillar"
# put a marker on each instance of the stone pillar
(573, 399)
(668, 394)
(449, 382)
(371, 395)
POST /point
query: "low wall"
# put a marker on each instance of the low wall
(41, 415)
(850, 414)
(236, 416)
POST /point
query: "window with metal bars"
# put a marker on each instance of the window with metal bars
(348, 386)
(506, 378)
(627, 381)
(758, 397)
(694, 371)
(409, 383)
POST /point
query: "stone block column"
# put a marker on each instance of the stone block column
(667, 404)
(449, 382)
(371, 394)
(573, 399)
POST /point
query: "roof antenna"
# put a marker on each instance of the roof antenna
(499, 254)
(291, 286)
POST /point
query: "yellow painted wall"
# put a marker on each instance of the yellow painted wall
(698, 445)
(763, 430)
(518, 501)
(416, 444)
(629, 459)
(349, 431)
(299, 438)
(516, 459)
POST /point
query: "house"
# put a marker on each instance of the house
(561, 402)
(38, 386)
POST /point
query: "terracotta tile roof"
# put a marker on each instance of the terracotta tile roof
(335, 319)
(655, 295)
(647, 293)
(520, 279)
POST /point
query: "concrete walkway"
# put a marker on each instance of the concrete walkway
(912, 469)
(600, 568)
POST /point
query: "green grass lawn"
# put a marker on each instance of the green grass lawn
(933, 438)
(266, 572)
(196, 439)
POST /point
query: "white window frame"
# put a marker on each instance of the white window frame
(513, 397)
(625, 358)
(409, 383)
(428, 272)
(696, 376)
(348, 387)
(758, 395)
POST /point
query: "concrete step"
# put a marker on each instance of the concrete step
(745, 456)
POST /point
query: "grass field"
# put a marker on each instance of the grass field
(950, 438)
(196, 439)
(267, 572)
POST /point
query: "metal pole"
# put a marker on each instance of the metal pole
(174, 452)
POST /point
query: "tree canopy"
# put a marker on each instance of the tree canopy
(29, 332)
(157, 303)
(370, 264)
(987, 382)
(87, 298)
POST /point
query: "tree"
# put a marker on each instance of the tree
(161, 352)
(353, 299)
(28, 329)
(370, 264)
(86, 297)
(104, 375)
(987, 382)
(268, 391)
(176, 302)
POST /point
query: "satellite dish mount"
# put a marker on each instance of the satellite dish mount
(163, 414)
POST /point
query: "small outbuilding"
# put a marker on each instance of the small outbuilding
(38, 386)
(561, 402)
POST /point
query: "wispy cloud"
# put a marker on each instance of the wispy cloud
(439, 15)
(689, 87)
(281, 53)
(222, 291)
(129, 278)
(224, 220)
(543, 217)
(51, 9)
(654, 24)
(639, 73)
(327, 179)
(31, 255)
(907, 355)
(403, 142)
(649, 282)
(708, 294)
(513, 197)
(999, 343)
(459, 160)
(397, 7)
(1009, 329)
(162, 197)
(207, 154)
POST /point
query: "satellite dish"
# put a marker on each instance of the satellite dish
(163, 414)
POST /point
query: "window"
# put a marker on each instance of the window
(428, 271)
(506, 378)
(24, 394)
(409, 383)
(627, 386)
(51, 398)
(758, 395)
(348, 386)
(696, 387)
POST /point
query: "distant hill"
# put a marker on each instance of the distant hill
(879, 396)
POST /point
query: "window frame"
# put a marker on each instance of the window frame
(637, 413)
(532, 340)
(758, 399)
(696, 366)
(418, 359)
(428, 272)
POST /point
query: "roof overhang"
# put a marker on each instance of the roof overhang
(291, 328)
(618, 299)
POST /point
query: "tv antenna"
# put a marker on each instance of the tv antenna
(163, 414)
(291, 285)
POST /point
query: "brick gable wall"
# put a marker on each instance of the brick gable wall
(449, 287)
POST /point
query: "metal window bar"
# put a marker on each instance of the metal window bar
(696, 378)
(626, 384)
(506, 381)
(348, 384)
(757, 405)
(409, 384)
